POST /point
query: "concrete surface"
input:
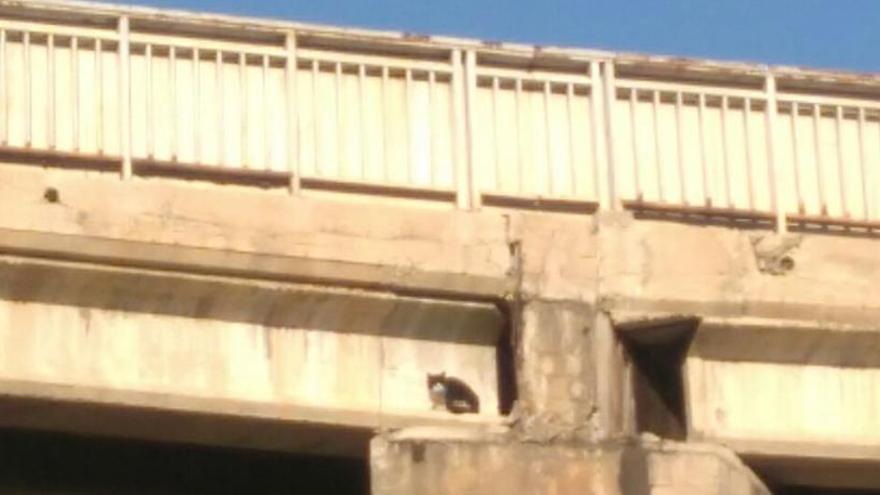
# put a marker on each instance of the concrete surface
(440, 461)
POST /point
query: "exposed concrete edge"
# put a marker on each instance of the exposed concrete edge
(270, 304)
(490, 433)
(623, 309)
(767, 340)
(371, 420)
(648, 444)
(824, 450)
(721, 451)
(188, 259)
(787, 342)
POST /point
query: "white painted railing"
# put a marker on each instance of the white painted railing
(451, 123)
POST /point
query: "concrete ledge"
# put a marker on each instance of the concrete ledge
(206, 421)
(789, 342)
(222, 298)
(195, 260)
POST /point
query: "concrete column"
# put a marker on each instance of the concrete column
(437, 461)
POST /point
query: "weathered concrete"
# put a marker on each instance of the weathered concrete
(391, 236)
(330, 311)
(440, 461)
(228, 229)
(191, 344)
(654, 267)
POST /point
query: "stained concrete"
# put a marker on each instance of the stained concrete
(112, 282)
(440, 461)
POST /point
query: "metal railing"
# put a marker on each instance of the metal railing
(454, 123)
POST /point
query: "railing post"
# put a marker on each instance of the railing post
(610, 96)
(125, 97)
(292, 114)
(773, 163)
(462, 181)
(470, 93)
(595, 119)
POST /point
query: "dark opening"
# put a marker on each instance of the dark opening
(803, 490)
(39, 462)
(657, 354)
(816, 476)
(505, 362)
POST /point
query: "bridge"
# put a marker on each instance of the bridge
(656, 273)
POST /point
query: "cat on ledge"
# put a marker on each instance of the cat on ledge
(452, 394)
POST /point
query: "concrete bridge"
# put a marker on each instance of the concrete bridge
(658, 275)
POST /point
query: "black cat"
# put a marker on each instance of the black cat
(452, 394)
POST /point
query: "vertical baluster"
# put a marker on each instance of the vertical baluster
(679, 135)
(99, 95)
(520, 162)
(796, 156)
(293, 146)
(633, 125)
(4, 104)
(817, 128)
(610, 100)
(470, 94)
(384, 111)
(267, 113)
(362, 116)
(747, 116)
(548, 141)
(340, 139)
(243, 91)
(866, 192)
(725, 151)
(27, 88)
(316, 138)
(432, 89)
(776, 189)
(704, 159)
(197, 105)
(496, 121)
(408, 103)
(841, 166)
(125, 97)
(595, 94)
(150, 112)
(74, 83)
(658, 157)
(172, 97)
(572, 163)
(221, 100)
(50, 89)
(462, 192)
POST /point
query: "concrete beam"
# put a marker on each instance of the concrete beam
(245, 300)
(171, 356)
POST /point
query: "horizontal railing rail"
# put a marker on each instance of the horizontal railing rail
(456, 124)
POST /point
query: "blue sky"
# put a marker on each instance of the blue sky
(842, 34)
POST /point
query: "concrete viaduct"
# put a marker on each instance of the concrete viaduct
(658, 275)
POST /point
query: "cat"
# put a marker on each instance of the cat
(452, 394)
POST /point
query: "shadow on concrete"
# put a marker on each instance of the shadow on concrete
(267, 304)
(35, 462)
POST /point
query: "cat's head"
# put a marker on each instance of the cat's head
(434, 378)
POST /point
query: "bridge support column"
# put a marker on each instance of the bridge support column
(442, 461)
